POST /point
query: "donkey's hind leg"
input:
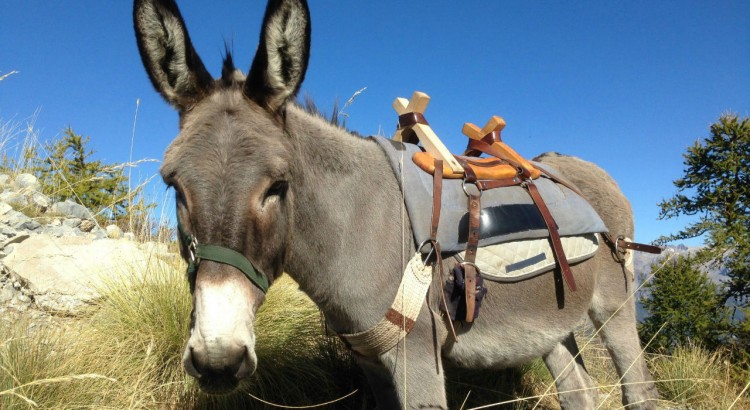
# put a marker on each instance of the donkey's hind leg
(614, 317)
(574, 385)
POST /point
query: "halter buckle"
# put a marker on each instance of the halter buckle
(192, 247)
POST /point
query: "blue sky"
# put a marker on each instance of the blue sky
(627, 85)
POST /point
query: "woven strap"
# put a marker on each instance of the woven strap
(400, 318)
(222, 254)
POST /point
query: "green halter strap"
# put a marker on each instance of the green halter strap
(220, 254)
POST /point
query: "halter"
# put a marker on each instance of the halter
(221, 254)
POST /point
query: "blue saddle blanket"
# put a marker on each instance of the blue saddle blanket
(508, 214)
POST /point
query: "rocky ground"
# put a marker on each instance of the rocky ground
(54, 255)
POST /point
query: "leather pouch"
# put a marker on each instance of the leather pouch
(455, 294)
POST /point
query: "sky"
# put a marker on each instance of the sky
(626, 85)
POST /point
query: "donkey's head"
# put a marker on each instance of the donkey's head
(230, 167)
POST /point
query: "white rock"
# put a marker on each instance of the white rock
(113, 232)
(5, 208)
(26, 181)
(78, 266)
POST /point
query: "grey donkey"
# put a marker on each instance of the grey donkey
(255, 173)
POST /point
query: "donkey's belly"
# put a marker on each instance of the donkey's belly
(521, 321)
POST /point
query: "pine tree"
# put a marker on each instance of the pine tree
(716, 186)
(69, 172)
(683, 300)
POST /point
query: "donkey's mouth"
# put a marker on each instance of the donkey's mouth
(224, 382)
(218, 384)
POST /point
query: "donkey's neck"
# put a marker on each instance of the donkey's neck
(350, 234)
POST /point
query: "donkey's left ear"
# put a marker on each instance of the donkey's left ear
(284, 50)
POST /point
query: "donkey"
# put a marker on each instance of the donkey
(284, 189)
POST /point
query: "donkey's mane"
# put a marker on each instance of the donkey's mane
(231, 76)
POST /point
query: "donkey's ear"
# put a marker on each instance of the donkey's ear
(174, 67)
(281, 60)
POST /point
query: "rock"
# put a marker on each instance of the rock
(16, 239)
(4, 180)
(8, 231)
(58, 231)
(26, 181)
(40, 201)
(72, 222)
(113, 231)
(99, 233)
(77, 266)
(129, 236)
(30, 225)
(6, 294)
(14, 198)
(5, 208)
(22, 298)
(71, 209)
(14, 218)
(58, 302)
(86, 225)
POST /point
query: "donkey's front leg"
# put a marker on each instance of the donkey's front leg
(410, 376)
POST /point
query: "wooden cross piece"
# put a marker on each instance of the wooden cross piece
(424, 132)
(496, 123)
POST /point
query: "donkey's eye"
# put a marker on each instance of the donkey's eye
(277, 189)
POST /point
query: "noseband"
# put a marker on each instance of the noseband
(221, 254)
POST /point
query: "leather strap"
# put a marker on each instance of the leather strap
(437, 194)
(481, 146)
(411, 118)
(638, 247)
(469, 174)
(492, 138)
(554, 235)
(498, 183)
(472, 243)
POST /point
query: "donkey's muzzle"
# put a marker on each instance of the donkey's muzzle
(218, 373)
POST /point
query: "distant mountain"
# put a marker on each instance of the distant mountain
(643, 261)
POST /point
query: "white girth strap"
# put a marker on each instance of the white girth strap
(400, 318)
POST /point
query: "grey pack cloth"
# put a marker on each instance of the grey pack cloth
(508, 214)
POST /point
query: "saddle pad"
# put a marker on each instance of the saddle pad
(508, 214)
(519, 260)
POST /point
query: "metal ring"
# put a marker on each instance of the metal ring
(435, 245)
(463, 186)
(192, 249)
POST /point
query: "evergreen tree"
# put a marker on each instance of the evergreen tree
(716, 186)
(683, 300)
(68, 172)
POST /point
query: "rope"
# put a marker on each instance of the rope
(312, 406)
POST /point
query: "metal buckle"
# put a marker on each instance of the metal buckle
(463, 186)
(192, 250)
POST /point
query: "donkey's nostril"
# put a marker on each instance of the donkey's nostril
(245, 369)
(189, 363)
